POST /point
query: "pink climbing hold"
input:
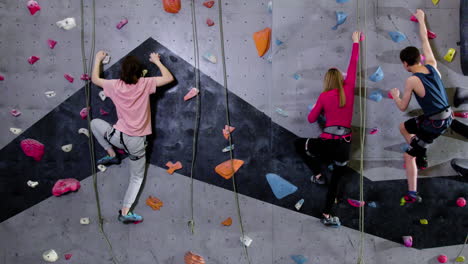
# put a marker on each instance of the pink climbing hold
(210, 22)
(461, 202)
(414, 19)
(356, 203)
(461, 114)
(68, 256)
(33, 59)
(374, 131)
(51, 43)
(33, 7)
(69, 77)
(65, 185)
(363, 37)
(389, 94)
(431, 35)
(442, 259)
(85, 77)
(122, 23)
(84, 113)
(408, 241)
(2, 78)
(32, 148)
(103, 112)
(15, 112)
(228, 130)
(192, 93)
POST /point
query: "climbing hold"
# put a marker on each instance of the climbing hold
(376, 96)
(51, 43)
(67, 24)
(83, 131)
(192, 258)
(461, 114)
(67, 148)
(84, 113)
(33, 7)
(402, 201)
(15, 130)
(423, 221)
(280, 187)
(32, 148)
(84, 221)
(362, 38)
(300, 259)
(356, 203)
(281, 112)
(50, 94)
(210, 57)
(50, 256)
(414, 19)
(103, 112)
(374, 131)
(341, 1)
(397, 36)
(262, 40)
(172, 6)
(227, 222)
(460, 259)
(32, 184)
(102, 95)
(228, 148)
(372, 204)
(63, 186)
(299, 204)
(297, 76)
(270, 7)
(144, 72)
(450, 54)
(442, 258)
(68, 256)
(2, 78)
(154, 203)
(106, 59)
(408, 241)
(378, 75)
(389, 95)
(173, 166)
(461, 202)
(227, 130)
(15, 112)
(33, 59)
(192, 93)
(246, 240)
(431, 35)
(209, 22)
(85, 77)
(101, 168)
(121, 24)
(226, 169)
(270, 58)
(278, 42)
(209, 4)
(69, 77)
(435, 2)
(340, 19)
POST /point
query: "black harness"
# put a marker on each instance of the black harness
(131, 156)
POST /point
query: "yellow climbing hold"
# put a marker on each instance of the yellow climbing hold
(435, 2)
(460, 259)
(450, 54)
(424, 221)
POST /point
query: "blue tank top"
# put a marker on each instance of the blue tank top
(435, 100)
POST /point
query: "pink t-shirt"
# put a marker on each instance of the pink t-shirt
(329, 102)
(132, 104)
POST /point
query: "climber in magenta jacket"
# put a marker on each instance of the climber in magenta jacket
(334, 144)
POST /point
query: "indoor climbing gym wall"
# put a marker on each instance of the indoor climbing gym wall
(224, 182)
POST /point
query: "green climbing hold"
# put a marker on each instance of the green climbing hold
(423, 221)
(460, 259)
(402, 201)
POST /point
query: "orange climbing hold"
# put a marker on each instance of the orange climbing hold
(227, 222)
(262, 40)
(154, 203)
(225, 169)
(172, 6)
(173, 166)
(192, 258)
(228, 130)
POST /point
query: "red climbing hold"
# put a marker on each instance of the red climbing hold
(374, 131)
(389, 94)
(461, 114)
(192, 93)
(172, 6)
(68, 256)
(32, 148)
(262, 40)
(461, 202)
(2, 78)
(442, 259)
(33, 59)
(122, 23)
(33, 7)
(51, 43)
(85, 77)
(414, 19)
(68, 77)
(356, 203)
(84, 113)
(209, 4)
(431, 35)
(227, 131)
(173, 166)
(210, 22)
(65, 185)
(103, 112)
(15, 112)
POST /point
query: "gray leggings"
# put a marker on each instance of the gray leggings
(135, 145)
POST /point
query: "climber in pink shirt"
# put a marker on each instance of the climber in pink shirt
(334, 144)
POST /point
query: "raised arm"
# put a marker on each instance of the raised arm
(166, 74)
(352, 67)
(100, 55)
(426, 46)
(402, 103)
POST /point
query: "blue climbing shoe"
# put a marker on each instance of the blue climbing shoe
(130, 218)
(108, 160)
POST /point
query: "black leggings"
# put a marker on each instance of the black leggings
(320, 153)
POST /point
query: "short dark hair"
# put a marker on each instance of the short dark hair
(410, 55)
(131, 70)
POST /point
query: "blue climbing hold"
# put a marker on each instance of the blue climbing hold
(299, 259)
(278, 42)
(397, 36)
(340, 19)
(378, 75)
(372, 204)
(376, 96)
(280, 187)
(297, 76)
(341, 1)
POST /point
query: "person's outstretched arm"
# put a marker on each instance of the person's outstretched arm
(352, 67)
(100, 55)
(166, 74)
(426, 46)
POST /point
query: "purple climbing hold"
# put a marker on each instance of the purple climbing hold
(15, 112)
(397, 36)
(408, 241)
(340, 19)
(356, 203)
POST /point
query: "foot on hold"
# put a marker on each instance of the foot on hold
(108, 160)
(317, 180)
(412, 197)
(129, 218)
(421, 162)
(332, 221)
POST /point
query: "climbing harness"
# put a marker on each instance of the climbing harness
(337, 130)
(130, 156)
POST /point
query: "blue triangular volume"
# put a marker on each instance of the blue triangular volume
(378, 75)
(280, 187)
(341, 1)
(299, 259)
(340, 19)
(376, 96)
(397, 36)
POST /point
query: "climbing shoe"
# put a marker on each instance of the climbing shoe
(412, 198)
(332, 221)
(421, 162)
(108, 160)
(129, 218)
(319, 181)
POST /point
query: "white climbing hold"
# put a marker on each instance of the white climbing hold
(50, 94)
(210, 57)
(15, 130)
(144, 72)
(102, 168)
(50, 256)
(281, 112)
(106, 59)
(228, 148)
(246, 240)
(83, 131)
(32, 184)
(102, 95)
(67, 24)
(299, 204)
(67, 148)
(84, 221)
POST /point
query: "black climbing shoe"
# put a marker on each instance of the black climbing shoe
(319, 181)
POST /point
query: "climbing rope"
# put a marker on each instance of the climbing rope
(191, 222)
(461, 250)
(88, 98)
(228, 121)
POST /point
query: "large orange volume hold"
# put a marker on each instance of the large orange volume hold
(262, 40)
(225, 169)
(172, 6)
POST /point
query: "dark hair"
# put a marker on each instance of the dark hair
(131, 70)
(410, 55)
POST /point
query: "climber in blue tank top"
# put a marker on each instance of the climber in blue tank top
(427, 86)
